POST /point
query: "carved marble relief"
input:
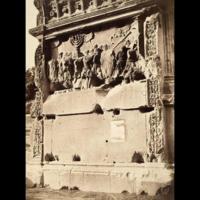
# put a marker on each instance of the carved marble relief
(36, 109)
(64, 8)
(40, 16)
(52, 9)
(156, 137)
(155, 141)
(151, 35)
(37, 138)
(104, 62)
(55, 9)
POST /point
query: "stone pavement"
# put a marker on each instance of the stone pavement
(48, 194)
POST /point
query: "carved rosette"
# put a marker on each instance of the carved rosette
(37, 138)
(151, 35)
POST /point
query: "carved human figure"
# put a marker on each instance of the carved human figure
(107, 62)
(69, 63)
(132, 58)
(52, 10)
(78, 6)
(53, 70)
(86, 71)
(65, 9)
(121, 59)
(97, 60)
(78, 67)
(91, 5)
(60, 68)
(67, 79)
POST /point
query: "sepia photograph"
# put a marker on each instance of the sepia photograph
(99, 100)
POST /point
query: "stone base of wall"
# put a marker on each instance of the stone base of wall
(111, 178)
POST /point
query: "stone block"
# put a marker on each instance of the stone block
(76, 179)
(97, 181)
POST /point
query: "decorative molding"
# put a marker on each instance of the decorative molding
(97, 15)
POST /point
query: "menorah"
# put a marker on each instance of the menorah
(77, 40)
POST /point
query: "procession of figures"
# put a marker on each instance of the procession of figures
(100, 66)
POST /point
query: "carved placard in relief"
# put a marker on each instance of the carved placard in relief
(151, 26)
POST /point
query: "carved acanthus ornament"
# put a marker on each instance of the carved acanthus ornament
(151, 26)
(37, 138)
(36, 108)
(155, 138)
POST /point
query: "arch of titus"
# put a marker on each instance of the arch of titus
(102, 118)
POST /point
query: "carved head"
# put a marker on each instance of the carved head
(128, 43)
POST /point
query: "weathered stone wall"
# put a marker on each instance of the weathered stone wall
(114, 178)
(86, 136)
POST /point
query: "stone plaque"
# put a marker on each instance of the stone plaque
(117, 131)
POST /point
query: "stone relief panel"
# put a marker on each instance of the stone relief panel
(151, 26)
(52, 10)
(55, 9)
(37, 138)
(88, 60)
(64, 8)
(36, 108)
(155, 141)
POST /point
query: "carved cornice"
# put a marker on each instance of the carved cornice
(96, 16)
